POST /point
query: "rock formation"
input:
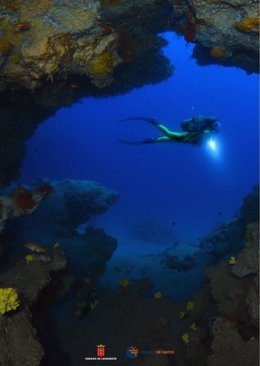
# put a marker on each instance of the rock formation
(52, 54)
(68, 204)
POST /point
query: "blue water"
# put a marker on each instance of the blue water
(172, 182)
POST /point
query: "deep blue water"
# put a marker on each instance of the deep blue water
(174, 182)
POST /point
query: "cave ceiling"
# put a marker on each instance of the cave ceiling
(53, 53)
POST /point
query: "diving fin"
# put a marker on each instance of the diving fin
(149, 120)
(129, 142)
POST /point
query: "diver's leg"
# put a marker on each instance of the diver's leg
(166, 131)
(158, 125)
(174, 136)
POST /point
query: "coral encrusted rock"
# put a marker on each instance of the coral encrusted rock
(21, 201)
(229, 349)
(18, 341)
(248, 260)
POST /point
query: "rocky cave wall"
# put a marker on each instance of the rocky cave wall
(53, 53)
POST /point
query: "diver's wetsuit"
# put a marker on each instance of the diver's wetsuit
(195, 130)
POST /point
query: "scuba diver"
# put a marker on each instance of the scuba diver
(194, 131)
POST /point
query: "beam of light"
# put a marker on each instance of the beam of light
(212, 144)
(214, 147)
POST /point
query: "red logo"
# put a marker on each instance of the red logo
(101, 350)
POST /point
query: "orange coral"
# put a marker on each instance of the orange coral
(10, 5)
(22, 26)
(217, 52)
(5, 46)
(248, 25)
(35, 247)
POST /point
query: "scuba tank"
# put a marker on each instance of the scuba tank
(200, 124)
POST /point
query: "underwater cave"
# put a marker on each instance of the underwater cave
(129, 178)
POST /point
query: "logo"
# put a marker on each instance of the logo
(101, 350)
(100, 354)
(132, 352)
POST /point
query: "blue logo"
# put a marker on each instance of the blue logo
(132, 352)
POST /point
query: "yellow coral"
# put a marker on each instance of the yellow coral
(93, 304)
(102, 64)
(56, 245)
(9, 300)
(182, 314)
(193, 326)
(29, 258)
(232, 260)
(248, 25)
(217, 52)
(158, 295)
(125, 282)
(190, 305)
(186, 338)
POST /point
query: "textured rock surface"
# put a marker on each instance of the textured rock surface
(49, 40)
(230, 318)
(57, 40)
(220, 36)
(250, 207)
(30, 278)
(252, 303)
(236, 293)
(72, 203)
(229, 349)
(248, 259)
(231, 286)
(21, 201)
(18, 343)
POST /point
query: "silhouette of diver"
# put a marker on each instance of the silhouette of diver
(194, 131)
